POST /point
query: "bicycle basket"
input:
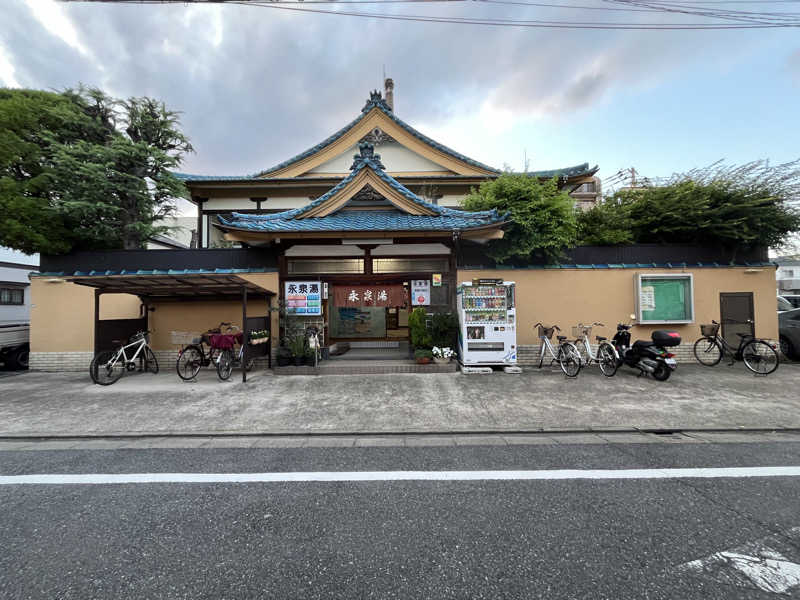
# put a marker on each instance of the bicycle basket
(709, 330)
(182, 338)
(580, 331)
(546, 331)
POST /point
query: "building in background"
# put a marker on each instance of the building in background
(788, 275)
(15, 286)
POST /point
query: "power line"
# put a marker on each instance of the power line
(740, 19)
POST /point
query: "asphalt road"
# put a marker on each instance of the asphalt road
(577, 538)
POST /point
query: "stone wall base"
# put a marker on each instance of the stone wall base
(60, 361)
(79, 361)
(529, 355)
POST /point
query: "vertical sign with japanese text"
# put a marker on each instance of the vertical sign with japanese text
(303, 297)
(420, 292)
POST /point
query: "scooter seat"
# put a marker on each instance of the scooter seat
(561, 338)
(600, 338)
(643, 344)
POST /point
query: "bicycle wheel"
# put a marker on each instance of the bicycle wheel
(760, 357)
(106, 367)
(707, 351)
(189, 362)
(150, 362)
(569, 359)
(225, 364)
(607, 360)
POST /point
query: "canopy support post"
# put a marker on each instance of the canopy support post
(245, 336)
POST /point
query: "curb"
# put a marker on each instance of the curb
(363, 434)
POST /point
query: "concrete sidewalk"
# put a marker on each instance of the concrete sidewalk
(46, 404)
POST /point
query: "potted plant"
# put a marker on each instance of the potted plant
(442, 356)
(297, 345)
(284, 356)
(418, 329)
(309, 356)
(423, 356)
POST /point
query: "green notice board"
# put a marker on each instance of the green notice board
(666, 299)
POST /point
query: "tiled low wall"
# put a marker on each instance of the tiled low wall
(79, 361)
(529, 355)
(684, 354)
(60, 361)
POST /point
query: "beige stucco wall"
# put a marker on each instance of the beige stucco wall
(62, 314)
(394, 156)
(565, 297)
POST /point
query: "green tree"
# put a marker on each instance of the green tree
(737, 207)
(81, 170)
(542, 216)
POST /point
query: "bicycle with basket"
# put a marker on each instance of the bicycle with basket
(216, 346)
(758, 355)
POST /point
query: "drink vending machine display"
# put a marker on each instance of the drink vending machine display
(487, 322)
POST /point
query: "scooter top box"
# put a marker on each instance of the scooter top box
(666, 338)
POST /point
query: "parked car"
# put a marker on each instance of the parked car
(784, 304)
(789, 329)
(793, 299)
(14, 345)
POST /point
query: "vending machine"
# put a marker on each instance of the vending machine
(487, 323)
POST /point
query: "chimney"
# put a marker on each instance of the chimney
(388, 89)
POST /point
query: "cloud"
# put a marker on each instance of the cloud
(257, 85)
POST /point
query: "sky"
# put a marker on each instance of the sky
(258, 85)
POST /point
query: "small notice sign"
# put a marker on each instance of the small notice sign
(647, 298)
(303, 297)
(436, 278)
(420, 292)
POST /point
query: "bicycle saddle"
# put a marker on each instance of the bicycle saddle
(561, 338)
(118, 342)
(600, 338)
(743, 335)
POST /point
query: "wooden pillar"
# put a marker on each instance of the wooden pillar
(245, 334)
(199, 201)
(96, 318)
(269, 329)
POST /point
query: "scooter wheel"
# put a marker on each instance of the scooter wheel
(662, 372)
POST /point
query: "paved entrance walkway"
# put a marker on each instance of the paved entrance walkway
(694, 398)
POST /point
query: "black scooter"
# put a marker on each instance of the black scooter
(649, 357)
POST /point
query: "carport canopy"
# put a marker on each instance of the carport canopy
(176, 286)
(182, 285)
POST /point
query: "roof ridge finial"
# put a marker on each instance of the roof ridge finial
(366, 155)
(375, 99)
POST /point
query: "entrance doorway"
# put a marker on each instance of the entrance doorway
(369, 312)
(735, 309)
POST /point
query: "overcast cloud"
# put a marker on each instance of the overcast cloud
(258, 85)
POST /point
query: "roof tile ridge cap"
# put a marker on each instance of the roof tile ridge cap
(335, 189)
(405, 191)
(316, 148)
(418, 134)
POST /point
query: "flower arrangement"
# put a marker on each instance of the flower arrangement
(442, 355)
(259, 337)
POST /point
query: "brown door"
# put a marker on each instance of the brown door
(735, 309)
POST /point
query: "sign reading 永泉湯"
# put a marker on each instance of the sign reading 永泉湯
(303, 297)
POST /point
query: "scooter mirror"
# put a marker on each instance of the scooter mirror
(633, 317)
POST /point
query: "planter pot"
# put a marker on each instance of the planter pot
(309, 361)
(299, 360)
(325, 354)
(424, 361)
(284, 361)
(441, 360)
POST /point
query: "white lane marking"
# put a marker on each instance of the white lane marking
(755, 564)
(353, 476)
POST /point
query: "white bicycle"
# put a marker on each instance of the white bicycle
(567, 355)
(607, 357)
(109, 365)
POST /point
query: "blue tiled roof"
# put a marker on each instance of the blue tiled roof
(147, 272)
(443, 218)
(361, 220)
(582, 169)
